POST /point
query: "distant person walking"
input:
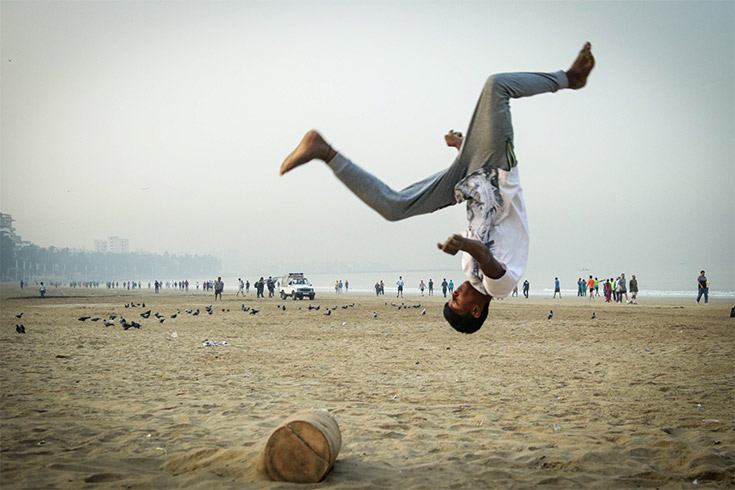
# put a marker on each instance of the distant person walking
(633, 285)
(591, 287)
(422, 286)
(431, 287)
(377, 289)
(445, 285)
(42, 290)
(702, 286)
(240, 288)
(557, 287)
(526, 286)
(219, 286)
(607, 290)
(623, 289)
(399, 283)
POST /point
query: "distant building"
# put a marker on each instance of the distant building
(113, 245)
(7, 228)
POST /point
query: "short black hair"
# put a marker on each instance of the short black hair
(465, 323)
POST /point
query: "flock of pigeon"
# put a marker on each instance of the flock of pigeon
(126, 324)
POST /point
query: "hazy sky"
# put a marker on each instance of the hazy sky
(166, 123)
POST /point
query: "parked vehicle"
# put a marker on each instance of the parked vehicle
(296, 286)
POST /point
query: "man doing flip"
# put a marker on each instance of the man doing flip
(484, 175)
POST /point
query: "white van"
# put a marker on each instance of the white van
(296, 286)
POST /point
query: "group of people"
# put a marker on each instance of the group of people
(612, 289)
(339, 285)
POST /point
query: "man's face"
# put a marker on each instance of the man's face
(463, 299)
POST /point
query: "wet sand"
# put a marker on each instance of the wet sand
(640, 396)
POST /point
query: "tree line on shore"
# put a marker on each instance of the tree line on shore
(31, 262)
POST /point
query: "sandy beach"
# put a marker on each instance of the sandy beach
(640, 396)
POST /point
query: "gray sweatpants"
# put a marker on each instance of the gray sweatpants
(487, 143)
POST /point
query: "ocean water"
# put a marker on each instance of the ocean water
(364, 282)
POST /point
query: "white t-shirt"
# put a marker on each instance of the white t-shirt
(496, 215)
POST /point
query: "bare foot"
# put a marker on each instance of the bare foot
(312, 146)
(454, 139)
(581, 68)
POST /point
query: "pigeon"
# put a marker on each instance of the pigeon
(146, 314)
(551, 314)
(593, 315)
(19, 315)
(245, 308)
(135, 324)
(107, 324)
(188, 311)
(375, 315)
(284, 307)
(112, 317)
(127, 305)
(20, 328)
(158, 315)
(196, 312)
(732, 312)
(96, 319)
(174, 315)
(424, 312)
(161, 320)
(253, 312)
(329, 312)
(84, 318)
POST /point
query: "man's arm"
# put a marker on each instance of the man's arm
(488, 264)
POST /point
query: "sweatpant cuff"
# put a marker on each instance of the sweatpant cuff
(339, 162)
(562, 79)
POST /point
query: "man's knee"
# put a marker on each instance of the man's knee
(496, 86)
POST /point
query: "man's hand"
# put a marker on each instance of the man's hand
(453, 244)
(454, 139)
(488, 264)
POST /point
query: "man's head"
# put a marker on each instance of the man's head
(467, 309)
(701, 273)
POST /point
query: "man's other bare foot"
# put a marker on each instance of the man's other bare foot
(312, 146)
(581, 68)
(454, 139)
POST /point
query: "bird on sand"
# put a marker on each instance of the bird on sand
(146, 314)
(107, 324)
(20, 328)
(551, 314)
(329, 312)
(593, 315)
(253, 311)
(19, 315)
(84, 318)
